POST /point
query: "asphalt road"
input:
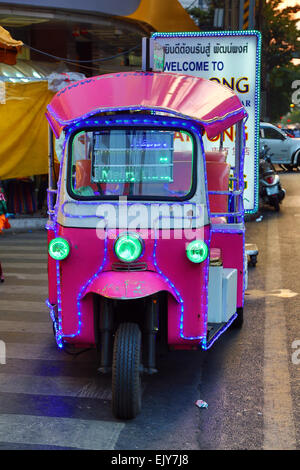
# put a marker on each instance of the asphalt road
(250, 377)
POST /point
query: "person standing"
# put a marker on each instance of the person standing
(3, 223)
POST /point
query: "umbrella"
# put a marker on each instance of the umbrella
(9, 47)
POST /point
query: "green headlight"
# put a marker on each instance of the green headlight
(128, 247)
(197, 251)
(59, 248)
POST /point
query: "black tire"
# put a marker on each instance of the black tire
(287, 167)
(297, 160)
(276, 204)
(282, 167)
(253, 260)
(126, 372)
(238, 322)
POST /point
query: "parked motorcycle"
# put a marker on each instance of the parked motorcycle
(270, 189)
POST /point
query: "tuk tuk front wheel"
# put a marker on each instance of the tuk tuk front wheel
(126, 372)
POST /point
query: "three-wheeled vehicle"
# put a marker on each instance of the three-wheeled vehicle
(146, 240)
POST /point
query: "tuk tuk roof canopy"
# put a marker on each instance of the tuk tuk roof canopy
(214, 106)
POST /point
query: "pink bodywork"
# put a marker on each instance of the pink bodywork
(215, 106)
(86, 256)
(231, 245)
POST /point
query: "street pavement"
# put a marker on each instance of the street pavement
(249, 378)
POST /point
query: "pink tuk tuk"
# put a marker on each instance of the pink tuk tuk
(146, 230)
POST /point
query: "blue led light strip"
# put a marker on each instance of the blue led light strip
(179, 297)
(207, 122)
(85, 286)
(207, 345)
(258, 36)
(58, 329)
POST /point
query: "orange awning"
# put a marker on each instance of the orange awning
(163, 16)
(9, 47)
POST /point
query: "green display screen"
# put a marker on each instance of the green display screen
(133, 162)
(135, 156)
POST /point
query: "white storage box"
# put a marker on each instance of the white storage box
(215, 306)
(229, 288)
(222, 294)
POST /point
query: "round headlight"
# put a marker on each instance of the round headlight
(197, 251)
(58, 248)
(128, 247)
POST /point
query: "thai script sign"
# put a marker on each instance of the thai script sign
(231, 58)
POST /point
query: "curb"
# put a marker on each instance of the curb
(25, 225)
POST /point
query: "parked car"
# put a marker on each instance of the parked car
(288, 132)
(285, 149)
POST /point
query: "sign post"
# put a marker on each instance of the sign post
(231, 58)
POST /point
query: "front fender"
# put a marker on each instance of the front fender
(129, 285)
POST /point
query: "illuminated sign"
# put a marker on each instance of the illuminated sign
(231, 58)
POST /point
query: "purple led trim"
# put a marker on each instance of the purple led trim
(58, 328)
(240, 111)
(53, 218)
(51, 310)
(257, 34)
(241, 175)
(173, 288)
(85, 286)
(216, 229)
(178, 34)
(178, 295)
(77, 216)
(226, 214)
(59, 333)
(111, 203)
(245, 266)
(207, 345)
(229, 193)
(206, 268)
(242, 184)
(49, 200)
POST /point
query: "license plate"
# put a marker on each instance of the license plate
(272, 190)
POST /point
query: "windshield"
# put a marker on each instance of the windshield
(131, 162)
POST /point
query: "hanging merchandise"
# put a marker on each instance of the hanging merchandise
(21, 196)
(23, 130)
(9, 47)
(3, 210)
(57, 81)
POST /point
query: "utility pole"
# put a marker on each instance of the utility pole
(247, 14)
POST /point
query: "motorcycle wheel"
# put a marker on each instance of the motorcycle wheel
(276, 204)
(287, 167)
(126, 372)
